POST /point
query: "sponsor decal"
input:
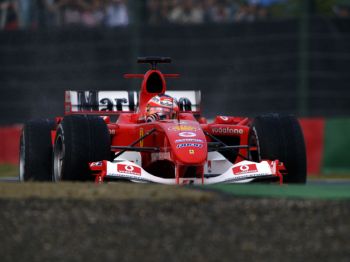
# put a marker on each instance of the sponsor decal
(246, 176)
(128, 169)
(155, 99)
(141, 135)
(189, 145)
(189, 140)
(244, 169)
(225, 118)
(191, 152)
(95, 101)
(117, 100)
(99, 163)
(187, 134)
(111, 131)
(167, 102)
(227, 130)
(182, 128)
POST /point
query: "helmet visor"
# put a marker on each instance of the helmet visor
(163, 112)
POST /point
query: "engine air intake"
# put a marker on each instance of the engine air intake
(154, 83)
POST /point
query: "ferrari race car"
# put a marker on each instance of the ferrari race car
(107, 136)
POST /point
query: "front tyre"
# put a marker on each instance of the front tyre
(80, 139)
(280, 137)
(36, 150)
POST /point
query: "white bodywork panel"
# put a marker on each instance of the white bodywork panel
(119, 101)
(242, 172)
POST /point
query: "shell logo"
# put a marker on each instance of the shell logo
(183, 128)
(187, 134)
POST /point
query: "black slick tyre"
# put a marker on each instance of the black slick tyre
(80, 139)
(280, 137)
(36, 150)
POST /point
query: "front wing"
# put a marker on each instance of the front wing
(242, 172)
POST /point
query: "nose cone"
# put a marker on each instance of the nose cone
(188, 143)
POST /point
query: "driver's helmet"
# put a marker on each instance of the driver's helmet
(161, 107)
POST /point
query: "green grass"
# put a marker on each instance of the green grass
(332, 175)
(7, 170)
(335, 192)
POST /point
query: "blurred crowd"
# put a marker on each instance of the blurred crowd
(32, 14)
(200, 11)
(228, 11)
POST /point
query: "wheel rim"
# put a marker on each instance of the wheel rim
(21, 158)
(58, 159)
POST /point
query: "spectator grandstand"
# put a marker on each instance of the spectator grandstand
(24, 14)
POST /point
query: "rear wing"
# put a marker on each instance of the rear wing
(116, 102)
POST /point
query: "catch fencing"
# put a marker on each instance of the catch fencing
(241, 68)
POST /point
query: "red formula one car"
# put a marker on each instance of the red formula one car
(159, 136)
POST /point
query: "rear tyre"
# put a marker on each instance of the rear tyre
(280, 137)
(36, 150)
(80, 139)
